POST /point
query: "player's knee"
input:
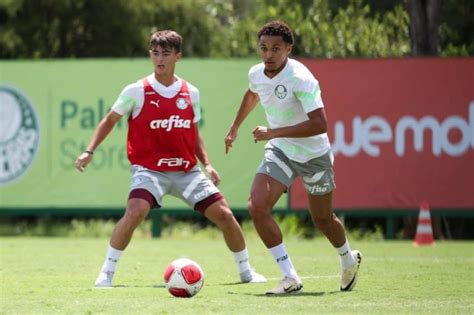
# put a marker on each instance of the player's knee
(258, 207)
(135, 214)
(225, 218)
(323, 223)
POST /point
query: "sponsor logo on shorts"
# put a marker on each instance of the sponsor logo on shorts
(203, 194)
(317, 188)
(19, 134)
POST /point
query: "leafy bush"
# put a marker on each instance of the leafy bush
(67, 228)
(292, 226)
(211, 28)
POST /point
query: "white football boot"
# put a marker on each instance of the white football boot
(286, 286)
(104, 280)
(250, 276)
(350, 276)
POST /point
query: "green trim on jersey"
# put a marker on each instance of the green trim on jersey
(294, 149)
(277, 113)
(308, 98)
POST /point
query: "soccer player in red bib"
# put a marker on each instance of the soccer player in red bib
(163, 147)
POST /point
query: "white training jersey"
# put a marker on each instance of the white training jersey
(133, 95)
(286, 99)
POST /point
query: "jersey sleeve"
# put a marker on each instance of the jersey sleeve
(130, 98)
(196, 100)
(308, 92)
(252, 87)
(252, 78)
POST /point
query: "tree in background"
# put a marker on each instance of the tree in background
(227, 28)
(424, 25)
(65, 28)
(456, 32)
(350, 31)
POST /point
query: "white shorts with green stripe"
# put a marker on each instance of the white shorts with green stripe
(317, 173)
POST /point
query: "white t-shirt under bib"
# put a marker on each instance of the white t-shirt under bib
(132, 96)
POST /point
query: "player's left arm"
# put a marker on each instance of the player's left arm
(201, 154)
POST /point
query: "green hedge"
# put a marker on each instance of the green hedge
(211, 28)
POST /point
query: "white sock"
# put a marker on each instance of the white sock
(242, 260)
(113, 256)
(345, 255)
(284, 262)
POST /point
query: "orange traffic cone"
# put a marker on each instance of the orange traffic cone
(424, 231)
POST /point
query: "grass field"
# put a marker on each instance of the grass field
(55, 275)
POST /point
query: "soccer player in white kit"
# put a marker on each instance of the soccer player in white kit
(163, 146)
(298, 146)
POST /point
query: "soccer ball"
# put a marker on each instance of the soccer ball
(183, 278)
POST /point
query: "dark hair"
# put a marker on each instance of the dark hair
(166, 39)
(277, 28)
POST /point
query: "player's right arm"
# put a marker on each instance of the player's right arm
(130, 101)
(101, 132)
(248, 103)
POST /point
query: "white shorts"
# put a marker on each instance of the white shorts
(192, 187)
(317, 173)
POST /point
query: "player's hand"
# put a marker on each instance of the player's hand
(82, 161)
(261, 133)
(214, 176)
(229, 139)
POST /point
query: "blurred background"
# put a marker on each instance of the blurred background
(396, 77)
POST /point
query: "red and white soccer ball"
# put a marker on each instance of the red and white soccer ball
(184, 277)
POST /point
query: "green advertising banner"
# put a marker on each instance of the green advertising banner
(49, 110)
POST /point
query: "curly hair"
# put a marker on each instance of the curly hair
(277, 28)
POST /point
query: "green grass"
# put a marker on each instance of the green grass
(55, 275)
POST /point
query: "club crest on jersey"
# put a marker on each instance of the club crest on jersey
(181, 103)
(280, 91)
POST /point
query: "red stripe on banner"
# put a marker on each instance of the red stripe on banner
(402, 131)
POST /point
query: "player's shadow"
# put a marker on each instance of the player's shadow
(118, 286)
(304, 293)
(232, 283)
(294, 295)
